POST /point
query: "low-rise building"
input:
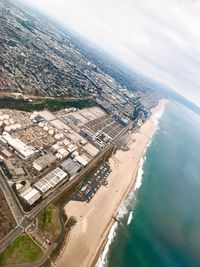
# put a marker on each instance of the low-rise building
(44, 161)
(82, 159)
(63, 152)
(18, 146)
(51, 180)
(30, 195)
(91, 150)
(6, 153)
(70, 166)
(12, 171)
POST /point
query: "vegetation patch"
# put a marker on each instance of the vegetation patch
(22, 250)
(49, 223)
(41, 104)
(7, 221)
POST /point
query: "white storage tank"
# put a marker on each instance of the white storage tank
(18, 126)
(40, 124)
(57, 136)
(46, 128)
(11, 121)
(6, 122)
(51, 132)
(7, 129)
(32, 116)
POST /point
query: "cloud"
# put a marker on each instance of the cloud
(158, 38)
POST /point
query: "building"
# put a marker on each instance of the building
(12, 171)
(62, 151)
(30, 195)
(71, 148)
(82, 159)
(91, 150)
(55, 147)
(70, 166)
(51, 180)
(120, 120)
(18, 146)
(86, 134)
(6, 153)
(44, 161)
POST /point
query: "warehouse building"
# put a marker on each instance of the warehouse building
(44, 161)
(18, 146)
(91, 150)
(51, 180)
(6, 153)
(31, 195)
(62, 153)
(70, 166)
(82, 159)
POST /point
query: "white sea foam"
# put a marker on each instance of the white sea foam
(124, 209)
(102, 262)
(140, 173)
(121, 213)
(130, 217)
(158, 115)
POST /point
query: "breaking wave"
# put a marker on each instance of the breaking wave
(130, 217)
(102, 261)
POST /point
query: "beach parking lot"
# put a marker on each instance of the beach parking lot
(90, 186)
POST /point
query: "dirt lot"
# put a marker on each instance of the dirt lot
(7, 221)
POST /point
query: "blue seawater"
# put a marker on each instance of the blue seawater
(163, 228)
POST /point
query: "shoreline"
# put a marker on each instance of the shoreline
(132, 187)
(89, 236)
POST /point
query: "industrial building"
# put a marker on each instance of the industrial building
(18, 146)
(31, 195)
(70, 166)
(91, 150)
(6, 153)
(51, 180)
(64, 148)
(82, 159)
(121, 120)
(44, 161)
(12, 171)
(63, 152)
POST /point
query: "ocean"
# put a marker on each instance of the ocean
(160, 221)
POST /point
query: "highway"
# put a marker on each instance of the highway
(28, 218)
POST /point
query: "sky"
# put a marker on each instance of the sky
(159, 38)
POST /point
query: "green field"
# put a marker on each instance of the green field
(49, 223)
(22, 250)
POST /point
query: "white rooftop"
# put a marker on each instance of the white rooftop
(31, 195)
(22, 148)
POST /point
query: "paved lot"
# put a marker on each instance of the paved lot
(90, 186)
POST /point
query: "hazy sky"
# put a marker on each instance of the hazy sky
(158, 38)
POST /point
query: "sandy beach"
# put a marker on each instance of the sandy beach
(94, 219)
